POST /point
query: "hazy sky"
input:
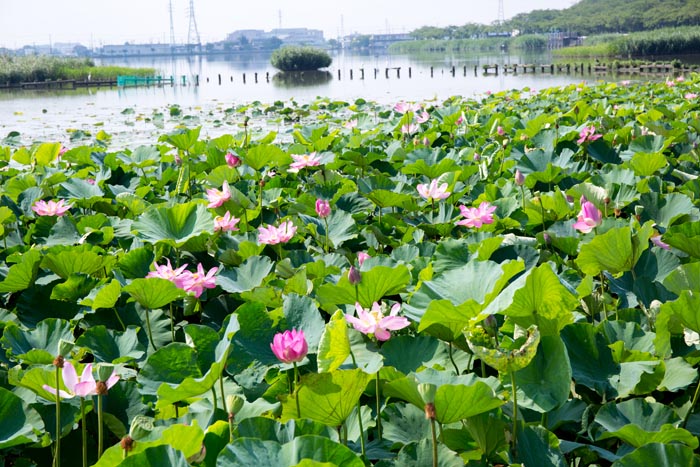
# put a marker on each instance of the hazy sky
(95, 22)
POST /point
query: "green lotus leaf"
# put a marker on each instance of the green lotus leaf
(21, 424)
(542, 300)
(646, 165)
(74, 288)
(142, 156)
(267, 429)
(420, 454)
(592, 363)
(66, 261)
(670, 209)
(22, 275)
(264, 155)
(341, 227)
(503, 360)
(153, 293)
(174, 225)
(40, 345)
(112, 346)
(183, 139)
(247, 276)
(537, 446)
(136, 264)
(658, 454)
(334, 345)
(673, 317)
(376, 283)
(46, 153)
(323, 451)
(685, 237)
(301, 312)
(545, 384)
(637, 437)
(404, 423)
(172, 447)
(105, 296)
(683, 277)
(615, 251)
(328, 398)
(409, 353)
(79, 189)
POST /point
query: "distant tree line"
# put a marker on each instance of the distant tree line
(587, 17)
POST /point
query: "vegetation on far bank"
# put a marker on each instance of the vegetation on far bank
(525, 42)
(667, 41)
(300, 58)
(16, 69)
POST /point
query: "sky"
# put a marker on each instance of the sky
(97, 22)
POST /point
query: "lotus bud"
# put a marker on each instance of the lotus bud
(427, 392)
(491, 325)
(354, 276)
(547, 238)
(519, 178)
(199, 456)
(232, 159)
(477, 157)
(234, 404)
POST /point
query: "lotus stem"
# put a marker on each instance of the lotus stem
(692, 404)
(57, 451)
(325, 244)
(296, 396)
(83, 430)
(119, 318)
(100, 427)
(148, 327)
(223, 394)
(435, 447)
(213, 395)
(379, 406)
(522, 196)
(454, 364)
(515, 413)
(362, 431)
(172, 322)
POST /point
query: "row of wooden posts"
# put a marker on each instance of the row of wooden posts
(387, 72)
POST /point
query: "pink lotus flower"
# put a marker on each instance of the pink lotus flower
(403, 107)
(83, 387)
(323, 208)
(476, 217)
(500, 131)
(670, 83)
(690, 96)
(166, 271)
(304, 160)
(227, 223)
(217, 198)
(409, 128)
(196, 282)
(656, 240)
(51, 208)
(354, 276)
(625, 82)
(588, 134)
(462, 118)
(374, 322)
(232, 159)
(422, 117)
(433, 191)
(361, 257)
(680, 79)
(350, 124)
(290, 346)
(589, 217)
(272, 235)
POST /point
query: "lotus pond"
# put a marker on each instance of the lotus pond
(513, 280)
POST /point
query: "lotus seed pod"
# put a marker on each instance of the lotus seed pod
(427, 392)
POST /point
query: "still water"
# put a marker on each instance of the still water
(51, 115)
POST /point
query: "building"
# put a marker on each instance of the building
(259, 39)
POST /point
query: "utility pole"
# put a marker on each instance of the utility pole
(172, 26)
(193, 33)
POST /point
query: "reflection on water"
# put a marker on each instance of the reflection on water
(295, 79)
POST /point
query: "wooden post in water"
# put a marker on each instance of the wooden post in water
(453, 71)
(338, 75)
(362, 73)
(256, 77)
(219, 79)
(243, 78)
(267, 76)
(496, 67)
(551, 68)
(398, 72)
(386, 73)
(350, 73)
(465, 70)
(207, 79)
(376, 70)
(475, 70)
(196, 80)
(409, 71)
(431, 71)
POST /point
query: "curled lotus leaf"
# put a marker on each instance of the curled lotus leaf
(502, 359)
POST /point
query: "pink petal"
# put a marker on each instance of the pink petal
(70, 376)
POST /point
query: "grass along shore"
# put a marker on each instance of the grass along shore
(14, 70)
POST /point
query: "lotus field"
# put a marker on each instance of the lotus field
(508, 280)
